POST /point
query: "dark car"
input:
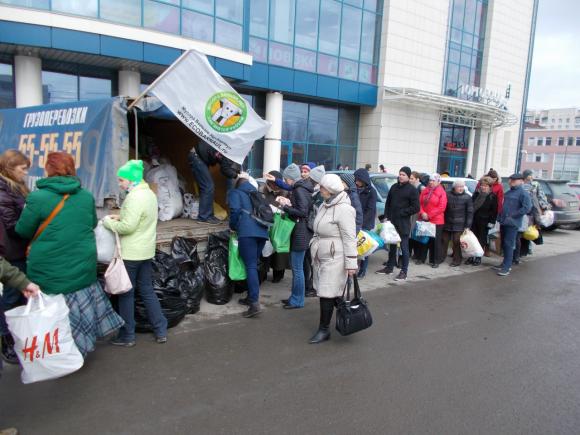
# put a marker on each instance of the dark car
(576, 188)
(564, 202)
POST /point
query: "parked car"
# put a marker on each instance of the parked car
(576, 188)
(564, 201)
(470, 184)
(381, 183)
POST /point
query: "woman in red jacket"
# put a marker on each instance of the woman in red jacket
(433, 201)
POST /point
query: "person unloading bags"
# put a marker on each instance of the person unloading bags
(200, 158)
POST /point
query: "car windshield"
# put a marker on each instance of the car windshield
(383, 184)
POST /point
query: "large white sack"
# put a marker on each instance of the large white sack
(168, 194)
(470, 246)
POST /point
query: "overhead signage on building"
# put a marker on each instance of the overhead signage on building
(90, 131)
(484, 96)
(202, 100)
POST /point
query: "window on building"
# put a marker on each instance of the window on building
(307, 23)
(567, 120)
(322, 124)
(330, 13)
(531, 141)
(530, 157)
(199, 5)
(559, 120)
(540, 141)
(282, 21)
(578, 141)
(560, 141)
(570, 141)
(231, 10)
(197, 26)
(159, 16)
(553, 120)
(127, 12)
(228, 34)
(577, 121)
(86, 8)
(548, 141)
(544, 121)
(538, 157)
(259, 17)
(350, 32)
(6, 86)
(58, 87)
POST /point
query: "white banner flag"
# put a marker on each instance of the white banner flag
(209, 106)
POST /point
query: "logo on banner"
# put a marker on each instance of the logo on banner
(225, 112)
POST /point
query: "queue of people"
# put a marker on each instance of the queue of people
(48, 240)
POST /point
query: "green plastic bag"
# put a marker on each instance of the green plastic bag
(236, 267)
(281, 232)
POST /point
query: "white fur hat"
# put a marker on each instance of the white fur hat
(332, 183)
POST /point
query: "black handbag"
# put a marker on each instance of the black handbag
(352, 315)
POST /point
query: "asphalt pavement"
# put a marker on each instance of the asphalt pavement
(469, 354)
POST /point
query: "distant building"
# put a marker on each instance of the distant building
(551, 146)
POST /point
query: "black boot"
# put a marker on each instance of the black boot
(253, 310)
(476, 261)
(277, 275)
(8, 353)
(469, 260)
(326, 310)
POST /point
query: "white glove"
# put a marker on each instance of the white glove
(490, 225)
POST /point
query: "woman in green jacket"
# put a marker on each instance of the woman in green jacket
(63, 257)
(137, 226)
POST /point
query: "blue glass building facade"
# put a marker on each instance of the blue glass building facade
(467, 26)
(323, 55)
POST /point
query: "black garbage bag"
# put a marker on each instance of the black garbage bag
(190, 279)
(165, 283)
(219, 288)
(191, 283)
(184, 250)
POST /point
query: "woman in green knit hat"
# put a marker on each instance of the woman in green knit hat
(137, 227)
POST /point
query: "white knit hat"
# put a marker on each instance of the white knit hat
(332, 183)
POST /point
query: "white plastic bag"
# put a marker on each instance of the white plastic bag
(168, 194)
(268, 249)
(389, 234)
(470, 246)
(105, 243)
(425, 229)
(547, 219)
(43, 339)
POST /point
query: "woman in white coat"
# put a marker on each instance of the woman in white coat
(333, 249)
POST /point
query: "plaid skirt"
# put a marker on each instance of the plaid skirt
(91, 317)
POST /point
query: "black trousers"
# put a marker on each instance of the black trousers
(326, 310)
(308, 273)
(435, 245)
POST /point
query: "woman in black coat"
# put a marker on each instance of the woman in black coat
(458, 218)
(368, 203)
(484, 215)
(298, 208)
(13, 191)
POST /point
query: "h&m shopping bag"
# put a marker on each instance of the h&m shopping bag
(236, 267)
(365, 244)
(43, 339)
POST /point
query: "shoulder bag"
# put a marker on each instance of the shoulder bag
(352, 315)
(117, 279)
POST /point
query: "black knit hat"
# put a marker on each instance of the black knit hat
(406, 170)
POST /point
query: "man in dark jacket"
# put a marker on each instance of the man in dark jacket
(402, 203)
(200, 158)
(458, 218)
(298, 207)
(368, 201)
(516, 204)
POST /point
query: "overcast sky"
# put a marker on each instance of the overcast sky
(555, 80)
